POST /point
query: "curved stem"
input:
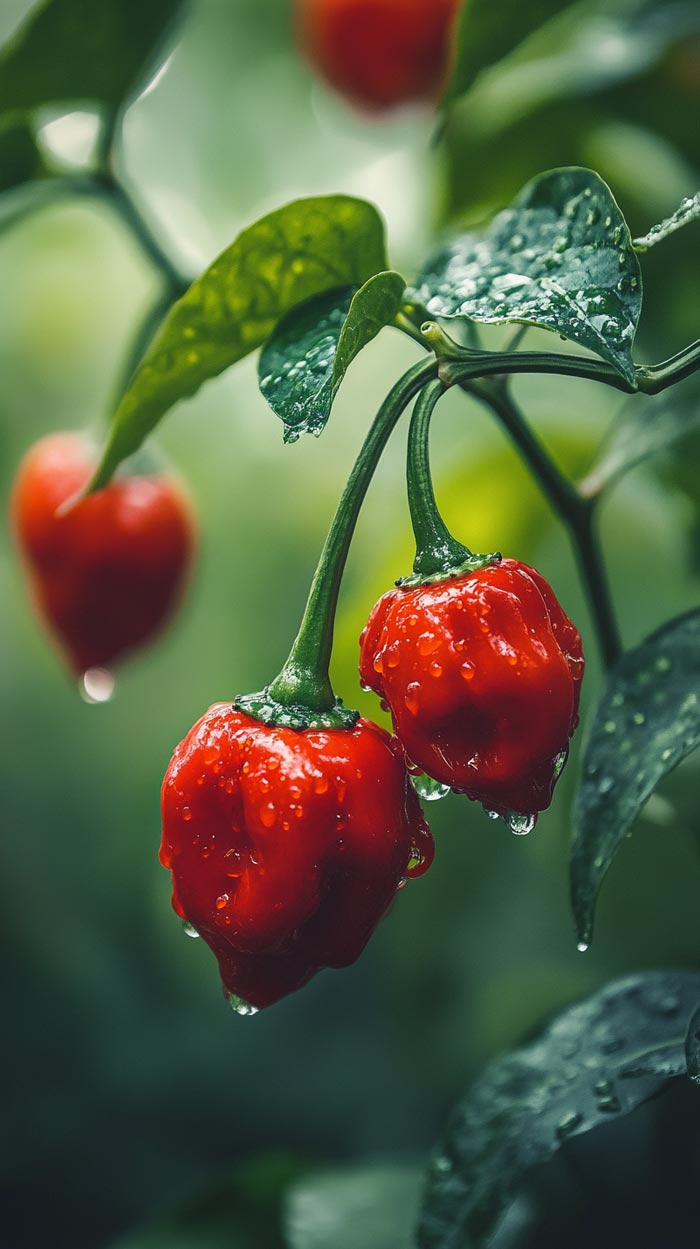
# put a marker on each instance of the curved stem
(575, 511)
(437, 551)
(305, 678)
(131, 215)
(657, 377)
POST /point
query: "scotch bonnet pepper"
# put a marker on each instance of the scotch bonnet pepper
(482, 674)
(286, 846)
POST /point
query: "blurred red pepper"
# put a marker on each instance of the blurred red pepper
(482, 674)
(286, 846)
(106, 574)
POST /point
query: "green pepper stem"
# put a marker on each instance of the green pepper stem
(305, 679)
(437, 551)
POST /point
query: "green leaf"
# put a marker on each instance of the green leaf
(647, 721)
(650, 425)
(20, 159)
(304, 249)
(70, 50)
(560, 257)
(687, 211)
(304, 362)
(692, 1046)
(240, 1210)
(598, 1060)
(373, 1206)
(486, 33)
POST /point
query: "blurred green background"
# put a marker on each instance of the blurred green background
(127, 1078)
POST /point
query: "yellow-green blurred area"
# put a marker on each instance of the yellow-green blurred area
(127, 1079)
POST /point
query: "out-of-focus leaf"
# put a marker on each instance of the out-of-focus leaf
(304, 249)
(650, 425)
(373, 1206)
(688, 210)
(20, 159)
(692, 1046)
(646, 722)
(487, 32)
(560, 257)
(240, 1211)
(304, 362)
(77, 50)
(599, 1059)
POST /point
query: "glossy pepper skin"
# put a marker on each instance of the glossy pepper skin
(107, 574)
(286, 846)
(378, 53)
(482, 674)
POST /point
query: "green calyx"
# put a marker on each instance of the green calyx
(449, 572)
(294, 715)
(439, 556)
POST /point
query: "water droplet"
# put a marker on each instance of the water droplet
(96, 685)
(427, 643)
(582, 946)
(240, 1005)
(568, 1124)
(467, 672)
(189, 929)
(186, 814)
(429, 789)
(519, 823)
(411, 697)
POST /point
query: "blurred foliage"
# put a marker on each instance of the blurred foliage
(129, 1080)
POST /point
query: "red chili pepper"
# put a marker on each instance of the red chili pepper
(286, 846)
(108, 572)
(482, 674)
(379, 53)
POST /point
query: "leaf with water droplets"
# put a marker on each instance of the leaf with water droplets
(69, 50)
(647, 721)
(599, 1059)
(371, 1205)
(304, 249)
(304, 362)
(486, 33)
(688, 210)
(560, 257)
(650, 425)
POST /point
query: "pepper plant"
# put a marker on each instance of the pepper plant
(290, 822)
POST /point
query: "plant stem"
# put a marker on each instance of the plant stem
(436, 549)
(657, 377)
(305, 678)
(576, 513)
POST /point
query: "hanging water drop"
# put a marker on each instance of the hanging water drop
(582, 946)
(428, 789)
(189, 929)
(240, 1005)
(96, 685)
(519, 823)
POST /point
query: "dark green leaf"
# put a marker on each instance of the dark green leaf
(301, 250)
(561, 257)
(373, 1206)
(599, 1059)
(649, 426)
(242, 1210)
(486, 32)
(687, 211)
(76, 50)
(647, 721)
(304, 362)
(692, 1046)
(20, 160)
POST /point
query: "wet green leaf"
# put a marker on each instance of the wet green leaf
(20, 159)
(485, 33)
(649, 426)
(304, 362)
(65, 50)
(560, 257)
(374, 1206)
(687, 211)
(598, 1060)
(647, 721)
(241, 1210)
(304, 249)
